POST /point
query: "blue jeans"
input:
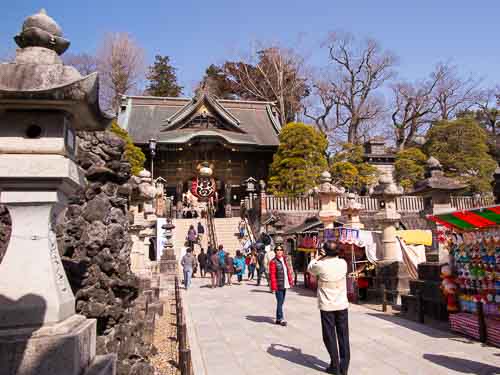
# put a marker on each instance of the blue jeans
(187, 278)
(280, 299)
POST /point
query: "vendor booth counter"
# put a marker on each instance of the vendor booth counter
(362, 250)
(471, 280)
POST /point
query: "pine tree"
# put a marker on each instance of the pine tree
(409, 167)
(162, 78)
(299, 161)
(348, 169)
(461, 147)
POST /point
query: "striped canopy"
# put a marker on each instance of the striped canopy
(469, 220)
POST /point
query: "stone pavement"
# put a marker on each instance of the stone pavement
(232, 333)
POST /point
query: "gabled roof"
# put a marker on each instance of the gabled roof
(190, 109)
(252, 123)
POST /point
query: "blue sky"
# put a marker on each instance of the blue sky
(197, 33)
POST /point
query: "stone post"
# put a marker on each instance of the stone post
(391, 271)
(328, 194)
(351, 212)
(42, 104)
(263, 202)
(168, 261)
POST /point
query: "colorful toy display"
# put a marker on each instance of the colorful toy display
(477, 272)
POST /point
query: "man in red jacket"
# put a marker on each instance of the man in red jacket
(281, 277)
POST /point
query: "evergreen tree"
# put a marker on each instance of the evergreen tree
(299, 161)
(409, 167)
(461, 147)
(162, 78)
(217, 83)
(133, 154)
(349, 170)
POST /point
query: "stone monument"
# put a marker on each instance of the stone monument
(42, 104)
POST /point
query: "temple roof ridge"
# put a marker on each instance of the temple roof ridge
(195, 104)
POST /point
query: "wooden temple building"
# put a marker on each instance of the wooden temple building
(236, 138)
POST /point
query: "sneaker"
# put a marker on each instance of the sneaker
(283, 323)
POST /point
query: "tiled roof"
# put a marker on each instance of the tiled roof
(147, 117)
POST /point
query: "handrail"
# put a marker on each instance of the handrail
(249, 230)
(212, 235)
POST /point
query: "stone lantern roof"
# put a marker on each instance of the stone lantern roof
(436, 180)
(386, 188)
(38, 79)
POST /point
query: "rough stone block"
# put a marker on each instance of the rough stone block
(102, 365)
(66, 348)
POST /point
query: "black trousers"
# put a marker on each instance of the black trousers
(336, 330)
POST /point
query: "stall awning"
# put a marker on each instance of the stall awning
(470, 219)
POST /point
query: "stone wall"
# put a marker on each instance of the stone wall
(95, 247)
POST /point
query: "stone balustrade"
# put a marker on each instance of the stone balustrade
(404, 204)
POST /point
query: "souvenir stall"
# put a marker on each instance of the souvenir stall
(471, 280)
(307, 244)
(358, 249)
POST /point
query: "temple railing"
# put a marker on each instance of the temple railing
(306, 203)
(466, 203)
(404, 204)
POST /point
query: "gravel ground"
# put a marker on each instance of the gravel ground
(165, 362)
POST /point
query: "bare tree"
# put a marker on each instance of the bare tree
(121, 63)
(271, 73)
(454, 94)
(348, 96)
(83, 62)
(488, 111)
(414, 107)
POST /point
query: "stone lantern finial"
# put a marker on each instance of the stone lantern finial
(351, 212)
(40, 30)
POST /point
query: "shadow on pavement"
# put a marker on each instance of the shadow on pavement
(301, 291)
(260, 319)
(260, 291)
(461, 365)
(296, 356)
(417, 327)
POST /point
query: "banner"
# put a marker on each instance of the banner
(343, 235)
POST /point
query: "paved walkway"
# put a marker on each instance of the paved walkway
(232, 333)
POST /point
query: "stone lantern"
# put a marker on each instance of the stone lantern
(391, 271)
(351, 212)
(42, 104)
(437, 190)
(328, 194)
(387, 192)
(278, 234)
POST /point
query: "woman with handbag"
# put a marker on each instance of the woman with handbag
(239, 265)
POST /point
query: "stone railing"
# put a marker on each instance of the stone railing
(466, 203)
(309, 203)
(404, 204)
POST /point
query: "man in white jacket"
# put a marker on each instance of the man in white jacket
(331, 271)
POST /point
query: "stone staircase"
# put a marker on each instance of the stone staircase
(227, 233)
(180, 233)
